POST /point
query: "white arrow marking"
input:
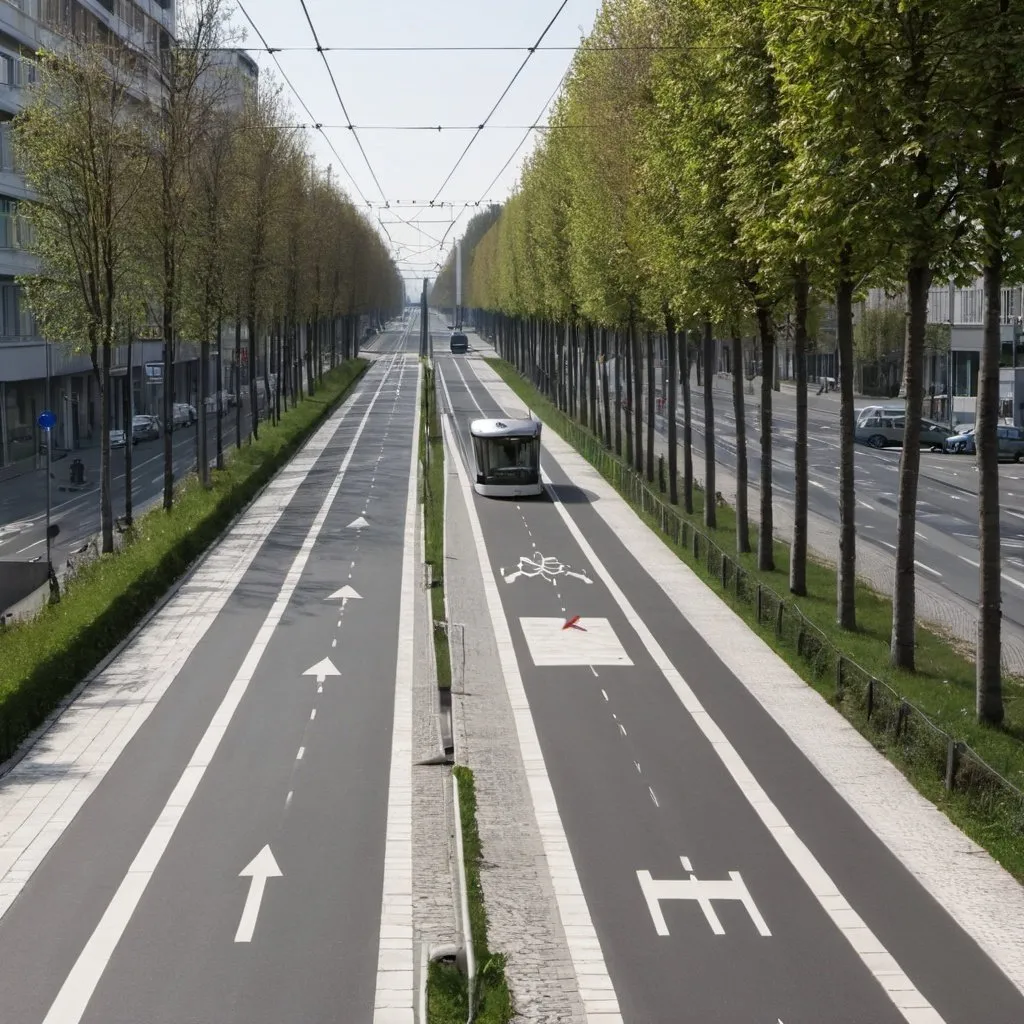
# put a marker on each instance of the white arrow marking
(358, 524)
(262, 867)
(346, 592)
(322, 670)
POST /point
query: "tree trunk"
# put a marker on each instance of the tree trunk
(988, 657)
(846, 586)
(254, 409)
(638, 396)
(710, 507)
(591, 370)
(238, 380)
(901, 652)
(220, 391)
(798, 550)
(766, 536)
(106, 499)
(684, 380)
(605, 396)
(740, 410)
(617, 380)
(128, 417)
(651, 410)
(672, 343)
(202, 428)
(168, 408)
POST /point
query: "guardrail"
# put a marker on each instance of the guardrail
(867, 701)
(467, 925)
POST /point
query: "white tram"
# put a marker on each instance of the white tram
(507, 454)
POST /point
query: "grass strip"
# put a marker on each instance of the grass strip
(43, 660)
(432, 460)
(942, 688)
(448, 989)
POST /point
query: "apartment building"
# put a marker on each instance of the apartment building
(26, 359)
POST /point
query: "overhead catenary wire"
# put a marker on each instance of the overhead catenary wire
(530, 52)
(341, 102)
(316, 125)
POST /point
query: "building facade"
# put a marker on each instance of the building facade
(28, 361)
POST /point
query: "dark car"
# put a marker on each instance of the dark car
(459, 342)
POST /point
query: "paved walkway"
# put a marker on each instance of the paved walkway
(521, 908)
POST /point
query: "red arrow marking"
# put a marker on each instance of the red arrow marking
(572, 624)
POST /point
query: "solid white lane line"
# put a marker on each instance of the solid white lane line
(301, 754)
(969, 561)
(80, 984)
(928, 568)
(900, 989)
(581, 936)
(394, 998)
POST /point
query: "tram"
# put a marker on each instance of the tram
(507, 454)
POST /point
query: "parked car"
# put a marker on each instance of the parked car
(145, 428)
(184, 415)
(881, 431)
(1011, 443)
(459, 342)
(117, 439)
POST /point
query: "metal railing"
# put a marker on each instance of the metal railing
(868, 702)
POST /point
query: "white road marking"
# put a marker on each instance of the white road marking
(927, 568)
(622, 729)
(888, 545)
(301, 754)
(892, 979)
(80, 984)
(394, 998)
(584, 946)
(288, 799)
(358, 524)
(595, 643)
(262, 867)
(312, 715)
(346, 593)
(969, 561)
(653, 797)
(322, 669)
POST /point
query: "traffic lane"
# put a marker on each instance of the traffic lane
(48, 925)
(622, 770)
(79, 516)
(314, 949)
(942, 960)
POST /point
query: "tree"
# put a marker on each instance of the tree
(83, 145)
(188, 98)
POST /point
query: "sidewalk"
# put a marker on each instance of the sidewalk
(522, 917)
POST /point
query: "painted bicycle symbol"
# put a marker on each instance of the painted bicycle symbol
(546, 566)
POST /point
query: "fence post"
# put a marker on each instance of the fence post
(758, 606)
(871, 697)
(725, 572)
(952, 763)
(661, 473)
(696, 544)
(778, 618)
(901, 717)
(839, 677)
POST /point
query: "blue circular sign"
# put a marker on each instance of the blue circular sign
(47, 420)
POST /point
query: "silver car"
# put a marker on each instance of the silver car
(881, 431)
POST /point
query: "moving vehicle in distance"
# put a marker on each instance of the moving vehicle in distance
(459, 342)
(1011, 443)
(507, 456)
(145, 428)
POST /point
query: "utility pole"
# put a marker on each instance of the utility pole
(423, 321)
(458, 285)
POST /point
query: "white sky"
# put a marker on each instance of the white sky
(420, 88)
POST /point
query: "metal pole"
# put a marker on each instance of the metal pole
(49, 462)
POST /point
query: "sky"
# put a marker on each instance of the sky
(382, 90)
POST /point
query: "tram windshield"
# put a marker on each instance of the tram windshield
(507, 460)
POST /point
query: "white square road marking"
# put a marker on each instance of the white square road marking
(595, 643)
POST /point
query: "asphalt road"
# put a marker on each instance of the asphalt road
(23, 498)
(947, 509)
(639, 786)
(299, 783)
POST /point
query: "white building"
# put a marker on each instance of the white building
(27, 26)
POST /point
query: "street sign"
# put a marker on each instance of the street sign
(155, 372)
(47, 420)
